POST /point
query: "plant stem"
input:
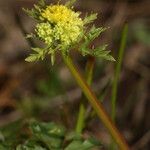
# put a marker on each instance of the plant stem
(116, 78)
(82, 110)
(96, 104)
(117, 72)
(81, 118)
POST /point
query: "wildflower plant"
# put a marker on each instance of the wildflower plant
(61, 29)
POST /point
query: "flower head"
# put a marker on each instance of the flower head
(63, 26)
(60, 28)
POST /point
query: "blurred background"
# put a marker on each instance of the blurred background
(37, 90)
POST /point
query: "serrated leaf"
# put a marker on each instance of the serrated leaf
(90, 18)
(30, 13)
(95, 32)
(31, 58)
(34, 13)
(107, 57)
(91, 35)
(37, 49)
(103, 53)
(100, 51)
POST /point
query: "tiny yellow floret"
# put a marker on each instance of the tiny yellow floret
(44, 32)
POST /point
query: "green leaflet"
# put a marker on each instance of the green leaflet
(96, 52)
(90, 18)
(40, 54)
(70, 3)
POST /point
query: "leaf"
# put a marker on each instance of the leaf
(95, 32)
(90, 18)
(52, 59)
(1, 137)
(48, 133)
(31, 58)
(91, 35)
(70, 3)
(37, 49)
(103, 53)
(96, 52)
(4, 147)
(49, 136)
(30, 13)
(108, 57)
(30, 145)
(74, 136)
(30, 36)
(83, 145)
(74, 145)
(41, 3)
(36, 11)
(77, 142)
(40, 54)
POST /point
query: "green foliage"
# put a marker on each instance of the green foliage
(99, 51)
(83, 145)
(50, 136)
(48, 133)
(29, 145)
(40, 53)
(35, 12)
(90, 18)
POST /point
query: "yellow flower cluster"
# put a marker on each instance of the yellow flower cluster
(44, 32)
(63, 25)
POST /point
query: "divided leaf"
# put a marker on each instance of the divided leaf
(96, 52)
(35, 12)
(90, 18)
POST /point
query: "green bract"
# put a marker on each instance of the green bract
(61, 28)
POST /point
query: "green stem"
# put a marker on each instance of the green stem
(81, 118)
(82, 110)
(117, 72)
(116, 78)
(96, 104)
